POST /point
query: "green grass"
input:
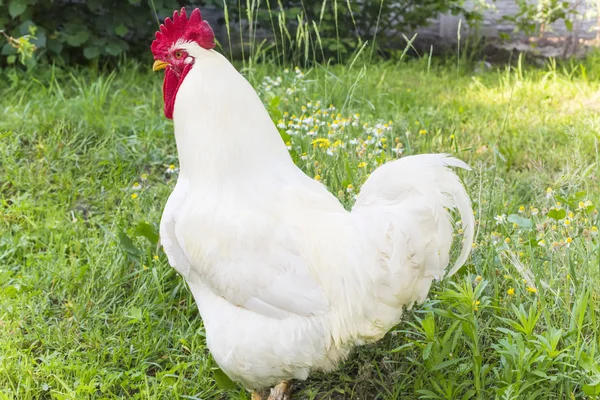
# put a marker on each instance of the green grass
(86, 313)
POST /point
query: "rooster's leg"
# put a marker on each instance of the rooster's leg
(257, 396)
(283, 391)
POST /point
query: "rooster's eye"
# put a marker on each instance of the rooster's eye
(178, 54)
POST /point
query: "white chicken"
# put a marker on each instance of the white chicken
(286, 280)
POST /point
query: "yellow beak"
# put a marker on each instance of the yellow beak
(158, 65)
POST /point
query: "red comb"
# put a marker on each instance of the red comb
(193, 29)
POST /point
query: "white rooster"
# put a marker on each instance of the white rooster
(286, 280)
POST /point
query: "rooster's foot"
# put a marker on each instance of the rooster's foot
(258, 395)
(283, 391)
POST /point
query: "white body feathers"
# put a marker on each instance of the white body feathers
(287, 280)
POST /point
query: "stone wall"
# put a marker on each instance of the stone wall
(585, 26)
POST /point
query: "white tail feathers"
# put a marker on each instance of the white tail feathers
(425, 178)
(462, 202)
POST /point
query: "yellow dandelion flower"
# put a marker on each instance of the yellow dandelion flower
(422, 132)
(531, 289)
(134, 196)
(155, 257)
(507, 240)
(569, 240)
(317, 177)
(362, 165)
(510, 292)
(322, 143)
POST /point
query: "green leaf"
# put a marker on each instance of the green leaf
(146, 230)
(586, 361)
(11, 291)
(135, 314)
(4, 277)
(25, 26)
(520, 221)
(561, 199)
(11, 59)
(557, 214)
(121, 30)
(569, 25)
(127, 244)
(448, 363)
(40, 40)
(7, 50)
(16, 8)
(91, 52)
(113, 49)
(404, 346)
(592, 390)
(54, 45)
(79, 38)
(223, 381)
(427, 350)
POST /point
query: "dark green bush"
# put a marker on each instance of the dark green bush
(76, 30)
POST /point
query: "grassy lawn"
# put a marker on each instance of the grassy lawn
(89, 308)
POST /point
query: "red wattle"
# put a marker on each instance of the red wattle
(171, 84)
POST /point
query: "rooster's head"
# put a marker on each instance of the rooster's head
(171, 50)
